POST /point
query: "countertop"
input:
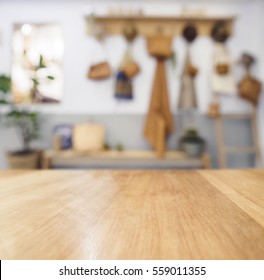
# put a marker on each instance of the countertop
(132, 214)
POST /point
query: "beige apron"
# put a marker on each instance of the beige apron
(187, 94)
(223, 83)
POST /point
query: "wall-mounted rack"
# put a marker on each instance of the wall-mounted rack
(170, 25)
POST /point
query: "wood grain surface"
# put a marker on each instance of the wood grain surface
(132, 215)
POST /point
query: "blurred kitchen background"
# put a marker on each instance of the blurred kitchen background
(131, 84)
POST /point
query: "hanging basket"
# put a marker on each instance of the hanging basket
(131, 69)
(100, 71)
(160, 46)
(192, 70)
(250, 89)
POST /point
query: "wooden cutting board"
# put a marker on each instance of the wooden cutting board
(132, 215)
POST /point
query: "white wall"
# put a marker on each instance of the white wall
(84, 96)
(81, 95)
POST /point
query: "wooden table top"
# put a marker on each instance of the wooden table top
(132, 215)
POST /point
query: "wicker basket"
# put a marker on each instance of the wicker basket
(100, 71)
(222, 68)
(250, 89)
(27, 161)
(88, 137)
(160, 46)
(131, 69)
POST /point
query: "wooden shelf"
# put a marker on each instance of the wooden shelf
(170, 25)
(123, 160)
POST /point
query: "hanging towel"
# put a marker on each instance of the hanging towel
(159, 123)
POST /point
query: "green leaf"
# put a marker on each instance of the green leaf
(50, 78)
(35, 82)
(41, 62)
(5, 83)
(2, 101)
(26, 122)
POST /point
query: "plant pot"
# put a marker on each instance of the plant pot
(192, 146)
(193, 150)
(23, 159)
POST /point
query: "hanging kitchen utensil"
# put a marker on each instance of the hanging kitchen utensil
(187, 98)
(99, 70)
(249, 87)
(159, 122)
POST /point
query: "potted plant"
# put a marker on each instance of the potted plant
(5, 86)
(27, 125)
(119, 147)
(191, 143)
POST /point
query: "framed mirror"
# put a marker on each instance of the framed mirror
(37, 63)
